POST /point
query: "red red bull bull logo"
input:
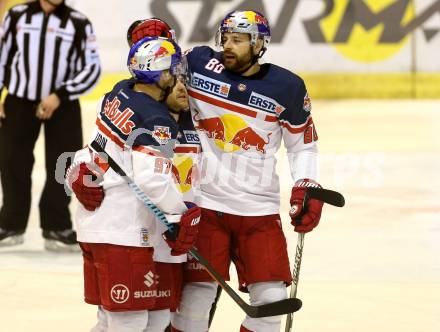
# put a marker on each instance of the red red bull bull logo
(260, 19)
(213, 127)
(231, 133)
(184, 171)
(247, 138)
(161, 52)
(161, 134)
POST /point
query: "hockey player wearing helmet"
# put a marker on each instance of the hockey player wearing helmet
(168, 267)
(244, 37)
(243, 109)
(177, 101)
(184, 171)
(175, 98)
(117, 239)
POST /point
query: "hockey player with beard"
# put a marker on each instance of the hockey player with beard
(117, 239)
(184, 169)
(242, 111)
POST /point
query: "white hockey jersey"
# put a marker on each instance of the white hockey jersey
(185, 173)
(128, 118)
(241, 122)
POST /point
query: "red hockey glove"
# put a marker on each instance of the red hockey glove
(88, 193)
(187, 231)
(152, 27)
(312, 214)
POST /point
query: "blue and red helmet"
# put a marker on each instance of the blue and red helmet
(247, 21)
(150, 56)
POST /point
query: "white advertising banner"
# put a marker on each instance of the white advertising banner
(343, 48)
(313, 36)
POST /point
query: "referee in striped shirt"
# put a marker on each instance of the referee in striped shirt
(48, 58)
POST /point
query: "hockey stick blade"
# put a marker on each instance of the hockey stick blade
(269, 309)
(286, 306)
(282, 307)
(327, 196)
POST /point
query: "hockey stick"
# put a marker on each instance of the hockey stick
(271, 309)
(214, 306)
(327, 196)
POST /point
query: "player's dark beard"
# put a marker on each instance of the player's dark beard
(54, 3)
(237, 64)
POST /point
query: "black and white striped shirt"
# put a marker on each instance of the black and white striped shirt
(45, 53)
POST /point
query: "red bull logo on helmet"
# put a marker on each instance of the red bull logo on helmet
(228, 22)
(265, 103)
(161, 52)
(260, 19)
(210, 85)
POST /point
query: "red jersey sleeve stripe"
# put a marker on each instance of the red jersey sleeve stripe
(107, 132)
(147, 150)
(296, 130)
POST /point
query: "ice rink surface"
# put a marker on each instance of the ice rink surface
(373, 265)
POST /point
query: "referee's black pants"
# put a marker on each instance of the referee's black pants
(18, 134)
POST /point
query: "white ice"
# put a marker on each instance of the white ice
(373, 265)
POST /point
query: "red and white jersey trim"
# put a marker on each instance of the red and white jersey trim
(148, 150)
(230, 105)
(187, 148)
(109, 133)
(296, 129)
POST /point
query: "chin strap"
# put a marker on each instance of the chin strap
(254, 61)
(167, 90)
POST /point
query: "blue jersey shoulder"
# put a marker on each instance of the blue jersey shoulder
(126, 112)
(293, 86)
(289, 79)
(196, 54)
(274, 90)
(294, 95)
(187, 131)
